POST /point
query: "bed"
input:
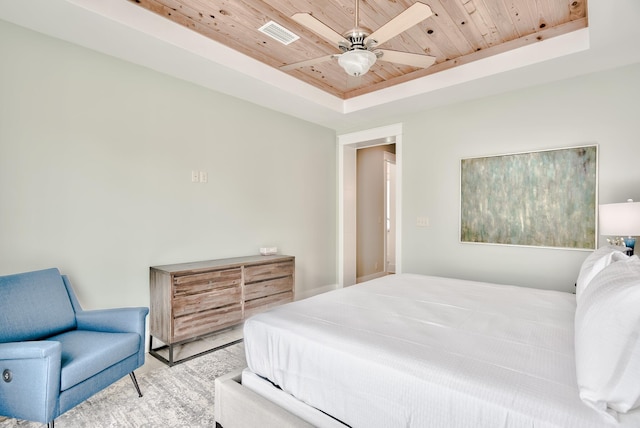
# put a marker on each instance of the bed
(421, 351)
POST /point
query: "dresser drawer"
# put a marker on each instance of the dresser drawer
(209, 299)
(256, 273)
(255, 290)
(204, 322)
(184, 285)
(252, 307)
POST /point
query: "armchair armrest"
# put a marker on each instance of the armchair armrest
(29, 350)
(30, 382)
(120, 320)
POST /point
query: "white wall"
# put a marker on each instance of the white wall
(600, 108)
(95, 174)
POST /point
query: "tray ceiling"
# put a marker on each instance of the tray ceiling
(458, 32)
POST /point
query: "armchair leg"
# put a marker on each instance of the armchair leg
(50, 424)
(135, 383)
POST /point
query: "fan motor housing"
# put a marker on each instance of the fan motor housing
(356, 38)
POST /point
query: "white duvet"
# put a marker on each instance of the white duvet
(417, 351)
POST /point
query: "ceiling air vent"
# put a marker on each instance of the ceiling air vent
(278, 32)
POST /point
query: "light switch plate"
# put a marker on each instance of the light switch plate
(422, 221)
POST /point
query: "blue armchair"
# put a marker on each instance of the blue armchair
(54, 355)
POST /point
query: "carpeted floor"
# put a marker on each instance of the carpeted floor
(179, 396)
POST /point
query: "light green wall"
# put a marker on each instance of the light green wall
(96, 157)
(600, 108)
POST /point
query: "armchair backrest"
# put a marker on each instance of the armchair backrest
(34, 305)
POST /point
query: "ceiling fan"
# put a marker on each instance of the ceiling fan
(359, 45)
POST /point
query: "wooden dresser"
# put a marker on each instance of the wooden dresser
(192, 300)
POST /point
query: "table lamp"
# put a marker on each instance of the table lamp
(622, 219)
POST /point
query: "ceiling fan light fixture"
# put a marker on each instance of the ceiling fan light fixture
(357, 62)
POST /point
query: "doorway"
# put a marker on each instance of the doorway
(373, 214)
(348, 144)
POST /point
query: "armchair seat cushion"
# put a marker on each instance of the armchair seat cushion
(86, 353)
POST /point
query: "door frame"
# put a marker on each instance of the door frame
(348, 144)
(388, 159)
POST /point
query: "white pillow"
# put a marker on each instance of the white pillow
(595, 262)
(607, 339)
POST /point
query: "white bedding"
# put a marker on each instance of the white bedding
(417, 351)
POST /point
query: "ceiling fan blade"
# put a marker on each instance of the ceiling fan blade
(406, 58)
(306, 63)
(319, 28)
(418, 12)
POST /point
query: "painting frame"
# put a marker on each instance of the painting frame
(540, 198)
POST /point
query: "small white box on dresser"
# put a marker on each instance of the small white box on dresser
(269, 251)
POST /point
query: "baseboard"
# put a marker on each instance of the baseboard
(370, 277)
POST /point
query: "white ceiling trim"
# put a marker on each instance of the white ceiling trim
(556, 47)
(140, 19)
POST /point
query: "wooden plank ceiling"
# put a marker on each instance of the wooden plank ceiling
(458, 32)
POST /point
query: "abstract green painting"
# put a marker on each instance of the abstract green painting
(544, 198)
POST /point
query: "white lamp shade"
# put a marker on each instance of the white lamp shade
(357, 62)
(621, 219)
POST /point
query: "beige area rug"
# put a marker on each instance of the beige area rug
(178, 396)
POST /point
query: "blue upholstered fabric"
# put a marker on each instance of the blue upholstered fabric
(77, 394)
(81, 353)
(35, 305)
(131, 320)
(33, 392)
(87, 353)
